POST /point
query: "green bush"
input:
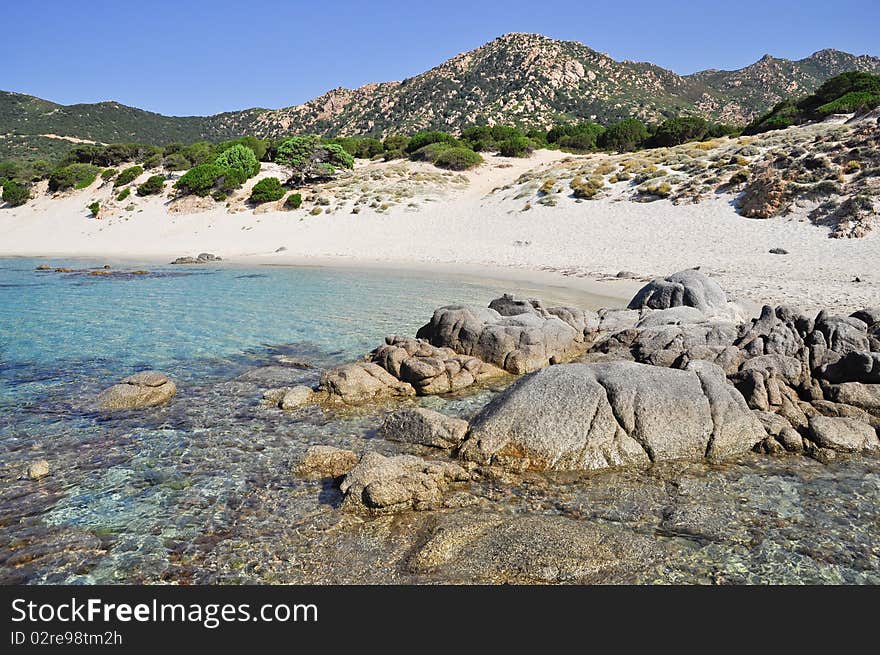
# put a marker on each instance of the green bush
(268, 189)
(395, 142)
(9, 170)
(122, 195)
(489, 138)
(516, 146)
(850, 102)
(458, 158)
(675, 131)
(198, 153)
(294, 201)
(239, 158)
(128, 175)
(15, 194)
(255, 145)
(360, 147)
(628, 134)
(431, 151)
(176, 161)
(576, 136)
(95, 208)
(200, 179)
(108, 174)
(77, 176)
(421, 139)
(152, 186)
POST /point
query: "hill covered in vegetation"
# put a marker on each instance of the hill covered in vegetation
(526, 80)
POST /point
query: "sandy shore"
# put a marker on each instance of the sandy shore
(480, 231)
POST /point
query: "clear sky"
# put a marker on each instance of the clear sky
(182, 58)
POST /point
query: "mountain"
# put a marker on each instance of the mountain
(527, 79)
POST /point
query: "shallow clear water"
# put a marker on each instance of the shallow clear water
(201, 489)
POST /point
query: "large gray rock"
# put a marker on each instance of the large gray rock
(138, 391)
(590, 416)
(843, 434)
(425, 427)
(429, 369)
(853, 367)
(519, 344)
(863, 396)
(690, 287)
(385, 485)
(362, 382)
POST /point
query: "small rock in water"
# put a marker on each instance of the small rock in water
(43, 267)
(857, 279)
(778, 251)
(281, 249)
(297, 397)
(425, 427)
(38, 470)
(326, 462)
(144, 389)
(107, 266)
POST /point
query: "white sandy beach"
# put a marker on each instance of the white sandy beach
(476, 231)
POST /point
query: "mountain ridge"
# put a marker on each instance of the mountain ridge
(519, 78)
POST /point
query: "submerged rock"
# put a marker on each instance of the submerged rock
(362, 382)
(590, 416)
(326, 462)
(202, 258)
(385, 485)
(141, 390)
(424, 427)
(38, 470)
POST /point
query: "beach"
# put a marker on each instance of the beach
(477, 229)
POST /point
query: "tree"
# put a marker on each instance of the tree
(268, 189)
(308, 157)
(628, 134)
(239, 158)
(587, 134)
(421, 139)
(15, 194)
(678, 130)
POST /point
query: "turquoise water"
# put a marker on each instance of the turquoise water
(200, 490)
(174, 472)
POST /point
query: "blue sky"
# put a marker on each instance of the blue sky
(187, 58)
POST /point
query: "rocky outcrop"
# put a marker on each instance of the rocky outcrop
(518, 343)
(202, 258)
(429, 369)
(383, 485)
(425, 427)
(362, 382)
(141, 390)
(764, 195)
(590, 416)
(843, 434)
(326, 462)
(689, 288)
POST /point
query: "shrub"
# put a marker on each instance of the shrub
(77, 176)
(108, 174)
(268, 189)
(850, 102)
(128, 175)
(239, 158)
(516, 146)
(396, 142)
(315, 211)
(458, 158)
(122, 195)
(628, 134)
(579, 136)
(421, 139)
(198, 153)
(255, 145)
(309, 157)
(294, 201)
(152, 186)
(95, 208)
(15, 194)
(200, 179)
(360, 147)
(675, 131)
(176, 161)
(430, 152)
(9, 170)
